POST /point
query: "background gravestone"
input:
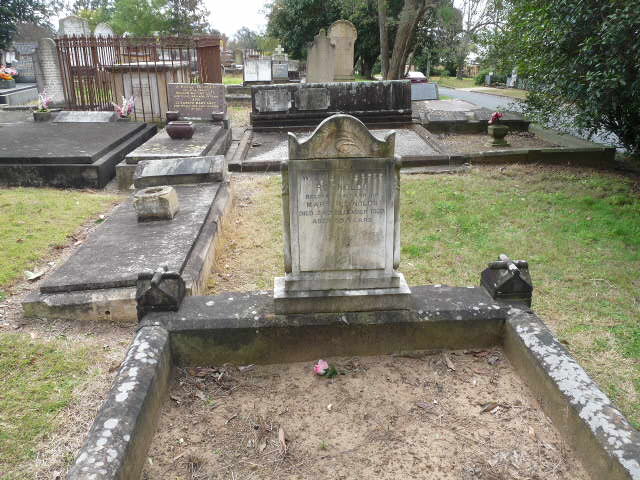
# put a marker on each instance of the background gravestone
(73, 25)
(200, 101)
(103, 30)
(341, 221)
(321, 59)
(343, 35)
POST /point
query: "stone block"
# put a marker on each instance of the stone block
(312, 99)
(424, 91)
(179, 171)
(156, 203)
(71, 116)
(272, 100)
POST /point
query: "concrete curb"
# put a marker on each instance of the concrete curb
(120, 436)
(603, 439)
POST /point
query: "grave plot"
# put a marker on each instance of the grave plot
(78, 155)
(447, 415)
(204, 106)
(342, 294)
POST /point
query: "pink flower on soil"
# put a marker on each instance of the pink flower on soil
(321, 367)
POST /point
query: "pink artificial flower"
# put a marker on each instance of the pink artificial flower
(321, 367)
(495, 117)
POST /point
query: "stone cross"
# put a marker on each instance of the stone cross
(341, 221)
(279, 50)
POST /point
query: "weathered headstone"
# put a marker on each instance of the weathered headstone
(257, 70)
(272, 100)
(341, 222)
(103, 30)
(343, 35)
(424, 91)
(72, 116)
(321, 59)
(312, 99)
(199, 101)
(279, 65)
(73, 25)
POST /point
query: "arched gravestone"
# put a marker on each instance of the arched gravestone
(321, 59)
(343, 35)
(340, 206)
(103, 30)
(73, 25)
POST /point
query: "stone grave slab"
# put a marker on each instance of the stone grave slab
(312, 99)
(71, 116)
(341, 222)
(163, 146)
(121, 247)
(272, 100)
(424, 91)
(273, 146)
(62, 143)
(198, 101)
(177, 171)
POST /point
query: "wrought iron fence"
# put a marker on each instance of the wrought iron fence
(97, 71)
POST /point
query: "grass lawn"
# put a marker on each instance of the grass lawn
(505, 92)
(453, 82)
(232, 79)
(579, 230)
(34, 220)
(37, 379)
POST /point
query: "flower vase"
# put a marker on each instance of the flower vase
(497, 134)
(7, 83)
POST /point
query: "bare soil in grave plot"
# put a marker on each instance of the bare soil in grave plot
(458, 415)
(476, 142)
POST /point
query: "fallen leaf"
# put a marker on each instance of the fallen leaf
(424, 405)
(20, 240)
(449, 363)
(263, 444)
(329, 407)
(246, 368)
(283, 441)
(489, 407)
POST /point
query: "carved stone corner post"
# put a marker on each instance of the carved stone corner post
(159, 291)
(508, 280)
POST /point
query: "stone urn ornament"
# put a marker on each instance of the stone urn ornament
(497, 131)
(173, 116)
(180, 130)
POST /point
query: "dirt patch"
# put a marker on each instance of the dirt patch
(456, 415)
(471, 143)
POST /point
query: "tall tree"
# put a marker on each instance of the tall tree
(412, 12)
(139, 17)
(187, 17)
(13, 12)
(384, 37)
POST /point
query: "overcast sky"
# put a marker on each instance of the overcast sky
(229, 16)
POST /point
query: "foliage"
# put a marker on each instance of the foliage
(436, 38)
(581, 58)
(186, 17)
(139, 17)
(245, 38)
(13, 12)
(93, 11)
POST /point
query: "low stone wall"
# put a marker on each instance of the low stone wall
(307, 104)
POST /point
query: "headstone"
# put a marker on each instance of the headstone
(312, 99)
(257, 70)
(179, 171)
(340, 203)
(424, 91)
(272, 100)
(279, 65)
(85, 117)
(321, 59)
(343, 35)
(198, 101)
(73, 25)
(103, 30)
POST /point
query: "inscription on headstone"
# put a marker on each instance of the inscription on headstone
(341, 221)
(197, 100)
(272, 100)
(312, 99)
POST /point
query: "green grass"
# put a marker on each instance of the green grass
(579, 230)
(232, 79)
(453, 82)
(37, 379)
(35, 219)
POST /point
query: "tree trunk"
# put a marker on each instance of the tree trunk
(412, 12)
(384, 37)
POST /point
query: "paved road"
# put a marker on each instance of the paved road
(495, 102)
